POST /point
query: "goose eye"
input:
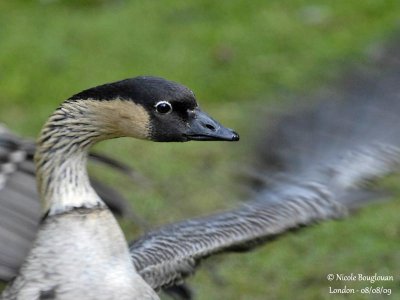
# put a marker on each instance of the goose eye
(163, 107)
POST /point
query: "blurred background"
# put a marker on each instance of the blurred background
(239, 57)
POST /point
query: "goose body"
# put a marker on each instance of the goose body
(80, 251)
(20, 211)
(91, 262)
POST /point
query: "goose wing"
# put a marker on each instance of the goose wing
(313, 165)
(20, 210)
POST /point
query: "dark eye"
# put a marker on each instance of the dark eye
(163, 107)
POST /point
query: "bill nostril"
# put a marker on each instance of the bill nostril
(209, 126)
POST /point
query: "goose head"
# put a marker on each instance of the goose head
(151, 108)
(148, 108)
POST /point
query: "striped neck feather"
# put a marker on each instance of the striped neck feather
(63, 146)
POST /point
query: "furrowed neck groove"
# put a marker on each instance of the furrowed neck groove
(61, 158)
(64, 143)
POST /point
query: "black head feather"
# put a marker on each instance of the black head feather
(184, 121)
(144, 90)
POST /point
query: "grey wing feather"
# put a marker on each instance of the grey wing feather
(19, 204)
(312, 166)
(20, 210)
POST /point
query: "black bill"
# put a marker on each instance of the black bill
(203, 128)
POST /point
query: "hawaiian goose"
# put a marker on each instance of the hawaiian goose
(311, 167)
(79, 246)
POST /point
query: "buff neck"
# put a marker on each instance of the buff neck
(62, 151)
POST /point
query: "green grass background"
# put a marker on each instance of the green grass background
(236, 56)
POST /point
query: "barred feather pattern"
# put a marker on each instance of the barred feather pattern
(19, 202)
(161, 257)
